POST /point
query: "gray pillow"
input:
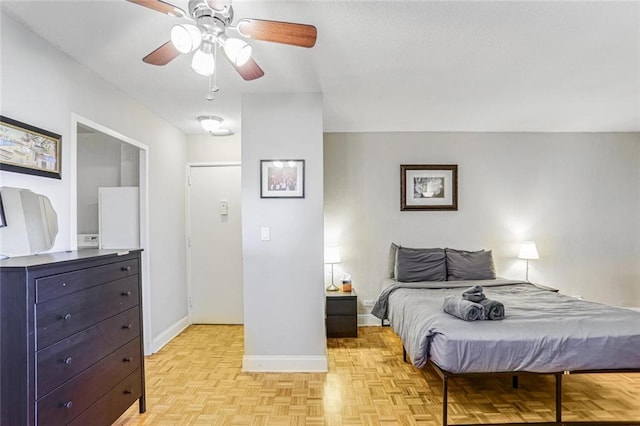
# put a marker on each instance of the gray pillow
(421, 264)
(470, 265)
(391, 263)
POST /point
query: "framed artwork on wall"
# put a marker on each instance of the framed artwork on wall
(281, 178)
(428, 187)
(28, 149)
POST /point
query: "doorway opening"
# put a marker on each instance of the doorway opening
(103, 159)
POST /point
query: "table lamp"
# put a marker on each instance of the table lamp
(331, 257)
(528, 251)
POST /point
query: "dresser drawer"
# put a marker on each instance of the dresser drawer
(64, 316)
(70, 400)
(108, 408)
(48, 288)
(63, 360)
(342, 306)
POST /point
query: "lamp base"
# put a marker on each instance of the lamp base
(332, 287)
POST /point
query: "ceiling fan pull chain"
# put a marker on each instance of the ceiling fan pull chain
(215, 61)
(210, 91)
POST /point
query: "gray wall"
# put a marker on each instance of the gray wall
(283, 294)
(576, 195)
(213, 149)
(43, 87)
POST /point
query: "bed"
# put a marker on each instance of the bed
(543, 332)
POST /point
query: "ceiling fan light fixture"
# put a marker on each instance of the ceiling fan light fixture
(238, 51)
(186, 37)
(203, 61)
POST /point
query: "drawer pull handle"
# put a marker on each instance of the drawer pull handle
(66, 317)
(67, 360)
(127, 359)
(128, 392)
(64, 284)
(125, 268)
(67, 404)
(126, 327)
(126, 293)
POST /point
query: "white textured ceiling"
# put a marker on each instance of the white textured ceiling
(384, 66)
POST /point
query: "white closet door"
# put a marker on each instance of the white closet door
(216, 245)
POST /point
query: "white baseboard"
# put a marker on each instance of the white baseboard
(368, 320)
(287, 364)
(169, 334)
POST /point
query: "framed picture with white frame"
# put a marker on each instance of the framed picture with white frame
(281, 178)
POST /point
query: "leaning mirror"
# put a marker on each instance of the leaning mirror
(31, 223)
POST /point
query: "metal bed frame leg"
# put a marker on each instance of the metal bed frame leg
(404, 354)
(445, 403)
(558, 398)
(514, 381)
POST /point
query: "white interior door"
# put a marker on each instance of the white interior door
(216, 245)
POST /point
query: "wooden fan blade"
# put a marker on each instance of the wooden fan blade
(161, 6)
(279, 32)
(162, 55)
(250, 70)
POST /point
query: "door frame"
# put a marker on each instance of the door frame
(144, 211)
(187, 192)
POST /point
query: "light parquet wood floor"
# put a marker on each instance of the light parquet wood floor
(197, 380)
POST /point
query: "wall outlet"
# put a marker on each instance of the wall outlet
(368, 302)
(88, 240)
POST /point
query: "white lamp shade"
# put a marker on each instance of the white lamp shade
(203, 61)
(238, 51)
(210, 123)
(332, 255)
(528, 250)
(185, 37)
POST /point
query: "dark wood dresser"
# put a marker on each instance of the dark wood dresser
(342, 314)
(71, 338)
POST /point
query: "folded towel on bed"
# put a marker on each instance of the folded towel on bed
(493, 310)
(463, 309)
(474, 294)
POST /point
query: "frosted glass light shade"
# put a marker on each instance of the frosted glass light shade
(238, 51)
(332, 255)
(185, 37)
(203, 61)
(210, 123)
(528, 250)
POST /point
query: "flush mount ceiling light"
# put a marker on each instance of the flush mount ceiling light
(206, 31)
(213, 125)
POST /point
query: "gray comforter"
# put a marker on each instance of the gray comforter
(542, 332)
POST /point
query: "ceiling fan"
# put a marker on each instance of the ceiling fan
(206, 30)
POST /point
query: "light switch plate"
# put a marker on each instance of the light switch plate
(264, 234)
(224, 207)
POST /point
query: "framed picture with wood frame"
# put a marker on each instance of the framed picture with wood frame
(281, 178)
(28, 149)
(428, 187)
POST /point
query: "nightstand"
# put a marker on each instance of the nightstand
(341, 314)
